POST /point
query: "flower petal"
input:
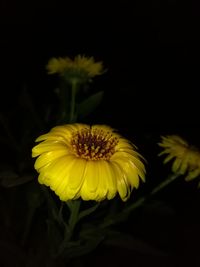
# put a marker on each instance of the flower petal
(75, 180)
(192, 175)
(109, 176)
(176, 165)
(46, 147)
(48, 157)
(91, 181)
(122, 184)
(131, 166)
(127, 156)
(58, 170)
(131, 171)
(92, 162)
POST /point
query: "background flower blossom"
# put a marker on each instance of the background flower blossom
(91, 162)
(186, 157)
(82, 68)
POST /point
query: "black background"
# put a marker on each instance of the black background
(151, 51)
(150, 48)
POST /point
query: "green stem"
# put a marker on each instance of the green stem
(73, 101)
(11, 138)
(74, 207)
(28, 226)
(170, 179)
(139, 202)
(64, 103)
(60, 213)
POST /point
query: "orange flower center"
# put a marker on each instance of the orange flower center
(93, 144)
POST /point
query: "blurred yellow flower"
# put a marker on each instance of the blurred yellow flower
(82, 68)
(91, 162)
(186, 157)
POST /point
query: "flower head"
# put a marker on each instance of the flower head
(81, 68)
(186, 157)
(91, 162)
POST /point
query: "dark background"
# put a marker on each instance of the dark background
(150, 48)
(151, 51)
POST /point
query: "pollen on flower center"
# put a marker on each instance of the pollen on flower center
(93, 144)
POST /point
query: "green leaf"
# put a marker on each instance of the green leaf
(53, 211)
(54, 236)
(11, 179)
(127, 241)
(88, 211)
(86, 247)
(27, 101)
(34, 200)
(89, 104)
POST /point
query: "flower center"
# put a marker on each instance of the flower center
(94, 144)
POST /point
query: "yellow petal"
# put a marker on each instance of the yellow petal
(124, 144)
(176, 165)
(48, 157)
(43, 179)
(91, 176)
(102, 189)
(93, 179)
(88, 189)
(168, 158)
(131, 152)
(131, 171)
(59, 169)
(130, 165)
(122, 184)
(192, 175)
(126, 156)
(183, 166)
(50, 136)
(46, 147)
(108, 175)
(76, 179)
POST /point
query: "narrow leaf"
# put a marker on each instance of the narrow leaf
(88, 105)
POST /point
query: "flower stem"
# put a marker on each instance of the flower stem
(73, 100)
(170, 179)
(74, 207)
(139, 202)
(64, 103)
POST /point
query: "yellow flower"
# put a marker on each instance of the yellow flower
(91, 162)
(186, 157)
(81, 68)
